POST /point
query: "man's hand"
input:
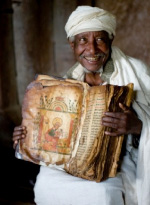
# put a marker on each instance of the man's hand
(125, 122)
(18, 134)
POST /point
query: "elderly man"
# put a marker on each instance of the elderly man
(90, 32)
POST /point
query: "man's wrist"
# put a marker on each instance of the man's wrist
(138, 128)
(136, 136)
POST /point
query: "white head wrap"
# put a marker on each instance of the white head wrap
(87, 18)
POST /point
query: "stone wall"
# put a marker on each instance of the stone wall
(133, 26)
(9, 104)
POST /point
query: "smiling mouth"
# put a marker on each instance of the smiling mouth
(94, 58)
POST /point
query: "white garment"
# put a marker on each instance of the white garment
(55, 187)
(131, 70)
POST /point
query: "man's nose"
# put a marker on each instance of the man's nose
(92, 47)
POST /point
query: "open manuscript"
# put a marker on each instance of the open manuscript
(63, 120)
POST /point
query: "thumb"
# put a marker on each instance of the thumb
(124, 107)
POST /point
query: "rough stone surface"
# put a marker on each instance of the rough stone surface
(133, 26)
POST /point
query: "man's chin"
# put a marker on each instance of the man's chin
(93, 69)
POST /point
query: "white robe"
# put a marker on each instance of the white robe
(131, 186)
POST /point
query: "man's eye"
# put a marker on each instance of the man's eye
(82, 40)
(99, 40)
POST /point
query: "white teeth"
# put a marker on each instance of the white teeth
(91, 59)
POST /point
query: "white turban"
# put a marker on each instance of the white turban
(87, 18)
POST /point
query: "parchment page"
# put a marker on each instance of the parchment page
(52, 117)
(96, 106)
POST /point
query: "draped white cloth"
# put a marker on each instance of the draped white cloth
(56, 187)
(132, 185)
(130, 70)
(87, 18)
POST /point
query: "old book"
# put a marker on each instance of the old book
(63, 120)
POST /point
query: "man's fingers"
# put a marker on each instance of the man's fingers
(110, 119)
(124, 107)
(116, 132)
(112, 134)
(15, 144)
(118, 115)
(18, 137)
(19, 128)
(109, 124)
(19, 133)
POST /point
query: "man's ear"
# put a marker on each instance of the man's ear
(71, 44)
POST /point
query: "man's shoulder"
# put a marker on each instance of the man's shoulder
(139, 65)
(75, 72)
(71, 70)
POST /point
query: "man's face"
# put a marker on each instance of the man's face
(92, 49)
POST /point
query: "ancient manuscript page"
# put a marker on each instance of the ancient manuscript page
(96, 106)
(52, 112)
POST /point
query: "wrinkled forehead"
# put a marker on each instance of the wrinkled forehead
(88, 34)
(93, 33)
